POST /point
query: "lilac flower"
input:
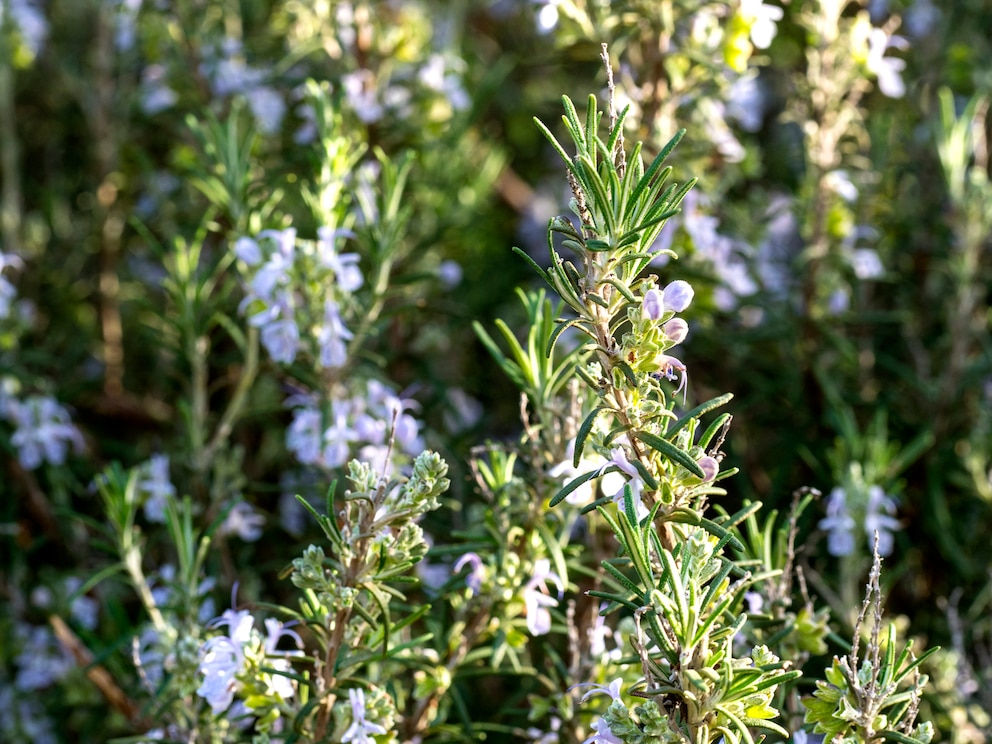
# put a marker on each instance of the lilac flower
(360, 92)
(336, 441)
(676, 330)
(450, 273)
(537, 600)
(678, 295)
(440, 74)
(279, 332)
(332, 337)
(242, 520)
(888, 70)
(222, 659)
(613, 689)
(275, 630)
(43, 431)
(41, 661)
(673, 369)
(267, 106)
(879, 519)
(29, 20)
(867, 264)
(547, 15)
(710, 467)
(653, 305)
(305, 436)
(602, 734)
(156, 95)
(8, 293)
(754, 602)
(475, 577)
(345, 266)
(157, 487)
(838, 524)
(248, 250)
(360, 731)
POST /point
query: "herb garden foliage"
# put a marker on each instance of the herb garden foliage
(275, 470)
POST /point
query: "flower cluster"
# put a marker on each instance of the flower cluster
(295, 293)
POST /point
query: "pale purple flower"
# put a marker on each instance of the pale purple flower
(754, 601)
(920, 18)
(242, 520)
(362, 96)
(347, 274)
(41, 661)
(336, 442)
(710, 467)
(613, 689)
(248, 250)
(839, 181)
(43, 431)
(616, 482)
(676, 330)
(678, 295)
(27, 18)
(305, 435)
(360, 731)
(838, 524)
(602, 734)
(547, 15)
(280, 336)
(280, 684)
(222, 659)
(867, 264)
(653, 305)
(440, 74)
(537, 599)
(157, 487)
(332, 337)
(267, 106)
(475, 577)
(450, 273)
(156, 95)
(879, 519)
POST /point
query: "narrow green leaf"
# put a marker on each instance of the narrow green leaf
(583, 434)
(700, 410)
(670, 451)
(571, 486)
(533, 264)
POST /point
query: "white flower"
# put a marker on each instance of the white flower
(763, 18)
(360, 731)
(280, 684)
(537, 600)
(888, 70)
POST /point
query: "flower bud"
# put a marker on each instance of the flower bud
(678, 295)
(676, 330)
(709, 466)
(653, 305)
